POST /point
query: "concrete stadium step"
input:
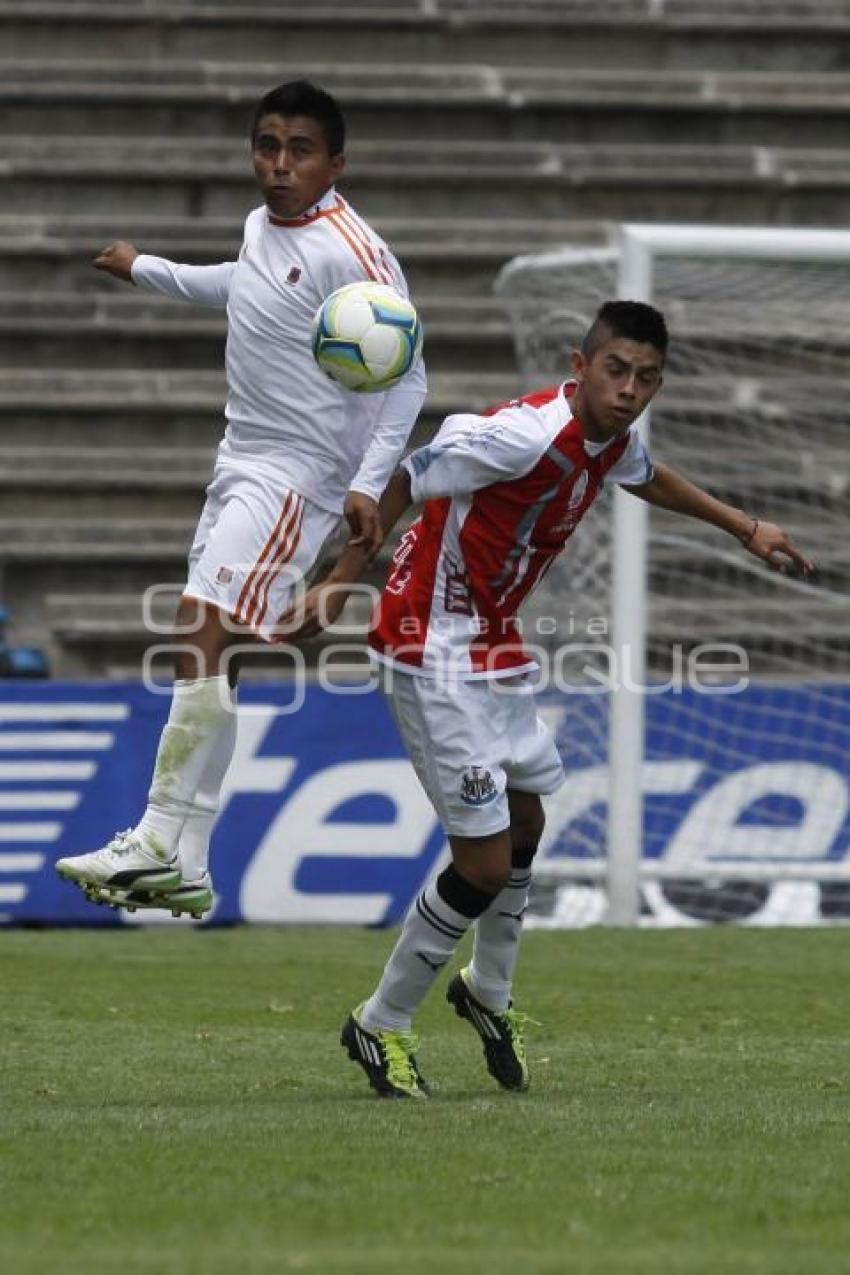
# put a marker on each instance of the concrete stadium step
(89, 540)
(438, 101)
(809, 466)
(166, 540)
(779, 34)
(97, 407)
(104, 468)
(813, 462)
(141, 331)
(95, 628)
(99, 482)
(102, 408)
(177, 179)
(449, 256)
(126, 395)
(100, 618)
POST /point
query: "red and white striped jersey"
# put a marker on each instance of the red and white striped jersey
(285, 418)
(503, 493)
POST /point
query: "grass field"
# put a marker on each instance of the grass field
(177, 1102)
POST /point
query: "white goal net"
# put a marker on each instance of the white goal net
(719, 791)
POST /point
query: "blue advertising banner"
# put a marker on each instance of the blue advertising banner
(323, 821)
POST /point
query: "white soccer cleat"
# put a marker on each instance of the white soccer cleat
(124, 863)
(192, 897)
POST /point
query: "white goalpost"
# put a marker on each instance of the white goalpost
(720, 794)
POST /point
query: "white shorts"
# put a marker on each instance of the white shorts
(469, 742)
(254, 543)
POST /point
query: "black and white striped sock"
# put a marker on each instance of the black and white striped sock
(435, 924)
(496, 948)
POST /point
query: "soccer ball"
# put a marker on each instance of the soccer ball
(366, 337)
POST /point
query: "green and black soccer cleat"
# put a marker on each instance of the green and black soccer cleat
(387, 1057)
(501, 1032)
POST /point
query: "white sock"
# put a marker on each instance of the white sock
(496, 947)
(199, 712)
(193, 847)
(432, 930)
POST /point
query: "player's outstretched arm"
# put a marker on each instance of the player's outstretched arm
(117, 259)
(200, 285)
(322, 605)
(766, 540)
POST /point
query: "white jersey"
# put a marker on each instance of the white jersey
(285, 418)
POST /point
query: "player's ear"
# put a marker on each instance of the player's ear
(578, 364)
(337, 165)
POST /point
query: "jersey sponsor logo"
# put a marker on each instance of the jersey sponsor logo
(574, 512)
(477, 786)
(578, 492)
(294, 275)
(457, 599)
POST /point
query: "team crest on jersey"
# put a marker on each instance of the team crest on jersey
(477, 786)
(294, 275)
(224, 575)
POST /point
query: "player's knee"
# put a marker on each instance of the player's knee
(201, 640)
(490, 878)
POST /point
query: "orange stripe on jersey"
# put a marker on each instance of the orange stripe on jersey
(358, 231)
(292, 223)
(362, 232)
(354, 246)
(272, 571)
(244, 603)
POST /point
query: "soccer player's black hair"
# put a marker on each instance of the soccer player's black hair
(300, 97)
(633, 320)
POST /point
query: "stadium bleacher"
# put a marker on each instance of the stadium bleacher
(476, 134)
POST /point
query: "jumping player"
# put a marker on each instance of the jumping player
(502, 494)
(298, 451)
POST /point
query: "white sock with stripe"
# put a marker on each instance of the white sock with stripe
(200, 710)
(193, 848)
(432, 929)
(496, 948)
